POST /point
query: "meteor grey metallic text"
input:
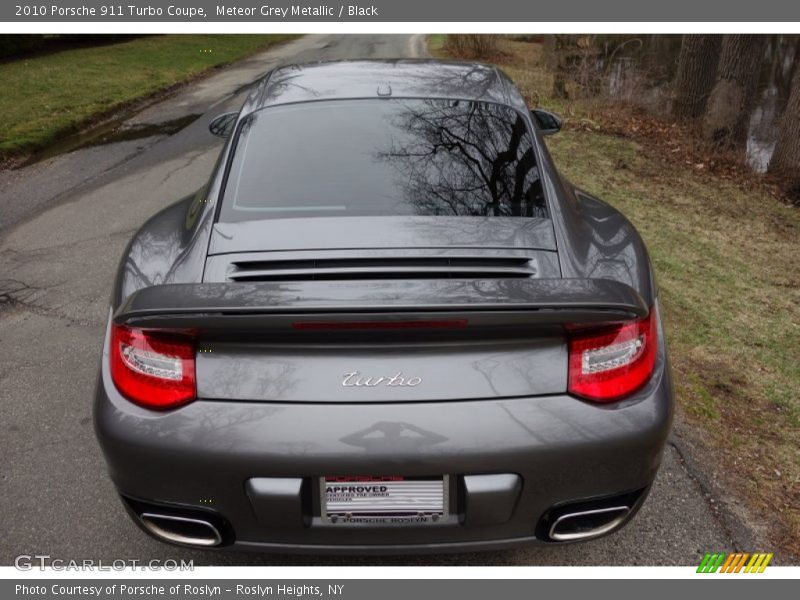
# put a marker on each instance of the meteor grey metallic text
(386, 324)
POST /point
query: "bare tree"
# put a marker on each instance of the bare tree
(473, 45)
(697, 66)
(786, 161)
(577, 60)
(555, 47)
(782, 56)
(466, 159)
(731, 101)
(659, 57)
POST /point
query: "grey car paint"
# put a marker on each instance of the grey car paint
(374, 233)
(514, 346)
(593, 239)
(563, 450)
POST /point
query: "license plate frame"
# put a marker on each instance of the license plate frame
(403, 501)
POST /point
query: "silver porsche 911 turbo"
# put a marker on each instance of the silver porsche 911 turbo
(386, 324)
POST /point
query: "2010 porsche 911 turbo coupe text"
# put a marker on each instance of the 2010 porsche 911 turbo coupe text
(386, 324)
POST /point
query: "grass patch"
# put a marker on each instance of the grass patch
(726, 262)
(47, 97)
(726, 258)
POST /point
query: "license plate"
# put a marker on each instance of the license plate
(384, 500)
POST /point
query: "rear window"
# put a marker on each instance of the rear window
(383, 157)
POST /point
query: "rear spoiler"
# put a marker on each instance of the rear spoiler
(279, 304)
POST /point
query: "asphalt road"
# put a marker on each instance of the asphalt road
(63, 225)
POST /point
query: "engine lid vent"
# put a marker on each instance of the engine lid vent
(329, 269)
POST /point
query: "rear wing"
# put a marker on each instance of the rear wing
(248, 306)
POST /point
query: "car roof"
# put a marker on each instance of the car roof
(401, 78)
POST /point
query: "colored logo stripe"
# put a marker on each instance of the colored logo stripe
(734, 563)
(758, 563)
(711, 562)
(727, 565)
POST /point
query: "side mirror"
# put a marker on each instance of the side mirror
(222, 125)
(547, 122)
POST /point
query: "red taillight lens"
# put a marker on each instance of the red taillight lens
(155, 370)
(607, 365)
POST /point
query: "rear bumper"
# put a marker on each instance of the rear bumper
(204, 456)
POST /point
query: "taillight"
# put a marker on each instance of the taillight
(609, 364)
(153, 369)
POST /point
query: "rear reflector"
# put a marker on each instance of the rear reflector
(154, 370)
(609, 364)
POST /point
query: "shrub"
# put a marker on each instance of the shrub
(472, 45)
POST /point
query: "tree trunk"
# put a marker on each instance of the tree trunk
(785, 162)
(697, 65)
(661, 58)
(733, 96)
(556, 55)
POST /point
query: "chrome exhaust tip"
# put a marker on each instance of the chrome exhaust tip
(587, 524)
(181, 530)
(590, 517)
